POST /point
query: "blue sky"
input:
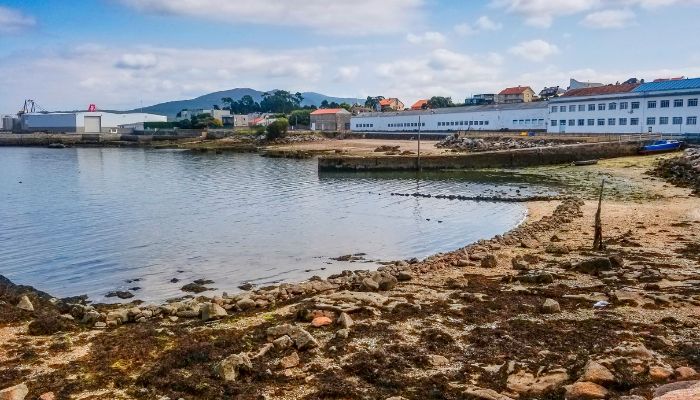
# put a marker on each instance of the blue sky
(120, 54)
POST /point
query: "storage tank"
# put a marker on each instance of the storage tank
(7, 123)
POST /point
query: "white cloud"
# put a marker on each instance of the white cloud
(534, 50)
(14, 21)
(429, 38)
(609, 19)
(483, 23)
(347, 73)
(137, 61)
(358, 17)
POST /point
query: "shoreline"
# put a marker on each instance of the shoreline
(411, 329)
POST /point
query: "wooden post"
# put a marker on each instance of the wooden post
(598, 235)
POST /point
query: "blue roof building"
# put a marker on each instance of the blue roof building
(675, 84)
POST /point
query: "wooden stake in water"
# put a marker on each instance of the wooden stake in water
(598, 235)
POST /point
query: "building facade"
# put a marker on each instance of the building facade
(666, 107)
(518, 94)
(331, 120)
(495, 117)
(391, 104)
(83, 122)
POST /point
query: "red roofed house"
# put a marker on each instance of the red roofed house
(330, 119)
(391, 104)
(420, 105)
(518, 94)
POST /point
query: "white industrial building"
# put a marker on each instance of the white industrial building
(667, 107)
(492, 117)
(83, 122)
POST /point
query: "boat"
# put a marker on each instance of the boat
(584, 162)
(56, 146)
(661, 146)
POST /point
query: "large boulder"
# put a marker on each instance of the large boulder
(17, 392)
(597, 373)
(585, 391)
(230, 368)
(301, 338)
(527, 384)
(689, 392)
(212, 311)
(594, 266)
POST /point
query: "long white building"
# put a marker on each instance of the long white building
(493, 117)
(668, 107)
(83, 122)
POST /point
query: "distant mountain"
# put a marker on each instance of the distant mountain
(171, 108)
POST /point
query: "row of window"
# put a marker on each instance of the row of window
(365, 125)
(528, 121)
(406, 125)
(623, 121)
(624, 105)
(462, 123)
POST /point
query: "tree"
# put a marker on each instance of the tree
(300, 117)
(440, 102)
(277, 128)
(280, 101)
(345, 106)
(373, 102)
(324, 104)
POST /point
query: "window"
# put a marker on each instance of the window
(601, 107)
(591, 107)
(591, 122)
(601, 121)
(572, 108)
(634, 121)
(678, 103)
(562, 122)
(665, 103)
(611, 121)
(572, 122)
(581, 122)
(635, 105)
(553, 122)
(677, 120)
(651, 104)
(515, 122)
(663, 120)
(651, 120)
(527, 122)
(623, 105)
(691, 121)
(540, 121)
(581, 107)
(481, 122)
(554, 109)
(486, 122)
(622, 121)
(692, 102)
(612, 106)
(562, 108)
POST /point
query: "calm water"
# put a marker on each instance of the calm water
(84, 221)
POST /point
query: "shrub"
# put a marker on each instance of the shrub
(277, 129)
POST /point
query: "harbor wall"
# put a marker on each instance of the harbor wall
(516, 158)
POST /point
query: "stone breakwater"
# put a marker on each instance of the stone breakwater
(532, 313)
(457, 142)
(683, 170)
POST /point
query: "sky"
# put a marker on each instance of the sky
(123, 54)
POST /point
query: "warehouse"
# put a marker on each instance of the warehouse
(493, 117)
(330, 119)
(83, 122)
(667, 107)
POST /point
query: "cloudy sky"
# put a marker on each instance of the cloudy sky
(120, 54)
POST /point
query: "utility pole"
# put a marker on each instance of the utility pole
(419, 126)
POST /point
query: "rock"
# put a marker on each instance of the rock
(485, 394)
(594, 266)
(489, 261)
(302, 339)
(529, 243)
(536, 277)
(25, 304)
(557, 249)
(245, 304)
(230, 368)
(670, 387)
(659, 374)
(283, 342)
(617, 261)
(100, 325)
(437, 360)
(551, 306)
(342, 333)
(321, 321)
(345, 320)
(122, 294)
(194, 288)
(120, 316)
(385, 280)
(48, 396)
(396, 398)
(212, 311)
(527, 384)
(290, 361)
(463, 263)
(685, 372)
(17, 392)
(370, 284)
(585, 390)
(519, 264)
(263, 350)
(596, 373)
(404, 276)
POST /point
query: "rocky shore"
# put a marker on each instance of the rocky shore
(683, 170)
(477, 144)
(533, 313)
